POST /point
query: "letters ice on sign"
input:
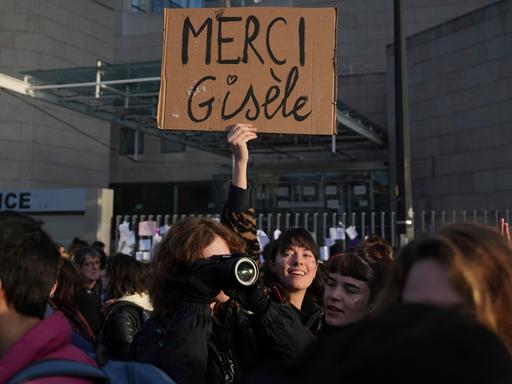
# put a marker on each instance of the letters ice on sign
(43, 200)
(273, 67)
(14, 200)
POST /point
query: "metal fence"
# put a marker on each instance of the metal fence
(318, 223)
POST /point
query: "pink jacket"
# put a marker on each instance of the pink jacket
(48, 339)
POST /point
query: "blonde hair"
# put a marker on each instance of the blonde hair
(479, 264)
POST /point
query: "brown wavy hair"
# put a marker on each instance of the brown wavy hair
(479, 263)
(182, 244)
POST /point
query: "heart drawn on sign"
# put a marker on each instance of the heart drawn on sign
(231, 79)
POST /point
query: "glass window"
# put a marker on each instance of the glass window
(127, 141)
(157, 6)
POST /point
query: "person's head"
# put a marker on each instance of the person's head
(98, 244)
(353, 283)
(100, 247)
(294, 260)
(125, 276)
(377, 248)
(463, 265)
(68, 283)
(188, 240)
(75, 245)
(87, 261)
(29, 264)
(62, 249)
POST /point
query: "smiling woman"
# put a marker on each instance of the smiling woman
(291, 275)
(296, 264)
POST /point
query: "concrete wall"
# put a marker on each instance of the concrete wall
(460, 84)
(99, 210)
(138, 37)
(152, 166)
(364, 30)
(366, 92)
(91, 224)
(36, 150)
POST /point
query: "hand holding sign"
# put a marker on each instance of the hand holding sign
(238, 136)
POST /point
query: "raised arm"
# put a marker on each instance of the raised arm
(238, 137)
(237, 214)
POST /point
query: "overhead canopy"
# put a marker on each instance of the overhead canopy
(127, 94)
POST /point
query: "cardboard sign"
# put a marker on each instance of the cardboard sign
(272, 67)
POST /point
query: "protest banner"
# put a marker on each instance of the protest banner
(272, 67)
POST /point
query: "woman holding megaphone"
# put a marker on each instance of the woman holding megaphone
(198, 333)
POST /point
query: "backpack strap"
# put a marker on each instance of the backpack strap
(56, 368)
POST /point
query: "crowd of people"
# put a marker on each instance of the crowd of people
(438, 311)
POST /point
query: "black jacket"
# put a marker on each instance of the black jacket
(122, 322)
(311, 312)
(88, 302)
(192, 346)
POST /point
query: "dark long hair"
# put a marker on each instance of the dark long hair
(125, 276)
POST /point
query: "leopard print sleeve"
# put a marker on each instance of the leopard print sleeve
(244, 225)
(242, 222)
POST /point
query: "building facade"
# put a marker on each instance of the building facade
(47, 146)
(460, 89)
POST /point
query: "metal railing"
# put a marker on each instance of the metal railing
(383, 224)
(318, 223)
